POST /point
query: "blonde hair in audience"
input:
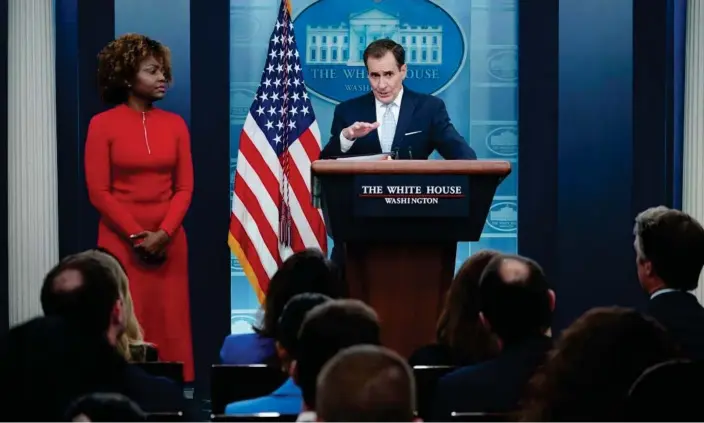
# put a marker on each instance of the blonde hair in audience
(133, 335)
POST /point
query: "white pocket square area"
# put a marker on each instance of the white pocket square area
(412, 133)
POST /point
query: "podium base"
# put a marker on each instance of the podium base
(405, 284)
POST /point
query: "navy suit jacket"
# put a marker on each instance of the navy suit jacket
(683, 317)
(423, 117)
(493, 386)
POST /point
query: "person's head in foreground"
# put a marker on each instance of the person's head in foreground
(668, 392)
(292, 318)
(588, 374)
(105, 407)
(327, 329)
(366, 383)
(515, 299)
(85, 289)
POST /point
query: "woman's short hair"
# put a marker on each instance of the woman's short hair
(119, 61)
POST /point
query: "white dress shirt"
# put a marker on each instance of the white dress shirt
(346, 144)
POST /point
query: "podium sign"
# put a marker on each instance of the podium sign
(431, 196)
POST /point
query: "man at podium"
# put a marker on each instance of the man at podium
(391, 118)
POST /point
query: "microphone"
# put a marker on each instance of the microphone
(394, 153)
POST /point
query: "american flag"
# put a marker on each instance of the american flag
(272, 215)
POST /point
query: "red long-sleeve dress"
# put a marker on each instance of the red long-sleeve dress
(139, 174)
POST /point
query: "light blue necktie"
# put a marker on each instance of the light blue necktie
(388, 129)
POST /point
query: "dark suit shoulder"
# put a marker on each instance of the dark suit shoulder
(472, 372)
(475, 376)
(494, 385)
(674, 302)
(683, 317)
(423, 96)
(528, 354)
(422, 99)
(153, 393)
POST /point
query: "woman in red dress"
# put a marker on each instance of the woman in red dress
(140, 178)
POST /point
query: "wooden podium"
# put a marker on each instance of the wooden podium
(400, 221)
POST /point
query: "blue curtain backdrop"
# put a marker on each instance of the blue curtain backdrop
(600, 101)
(464, 51)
